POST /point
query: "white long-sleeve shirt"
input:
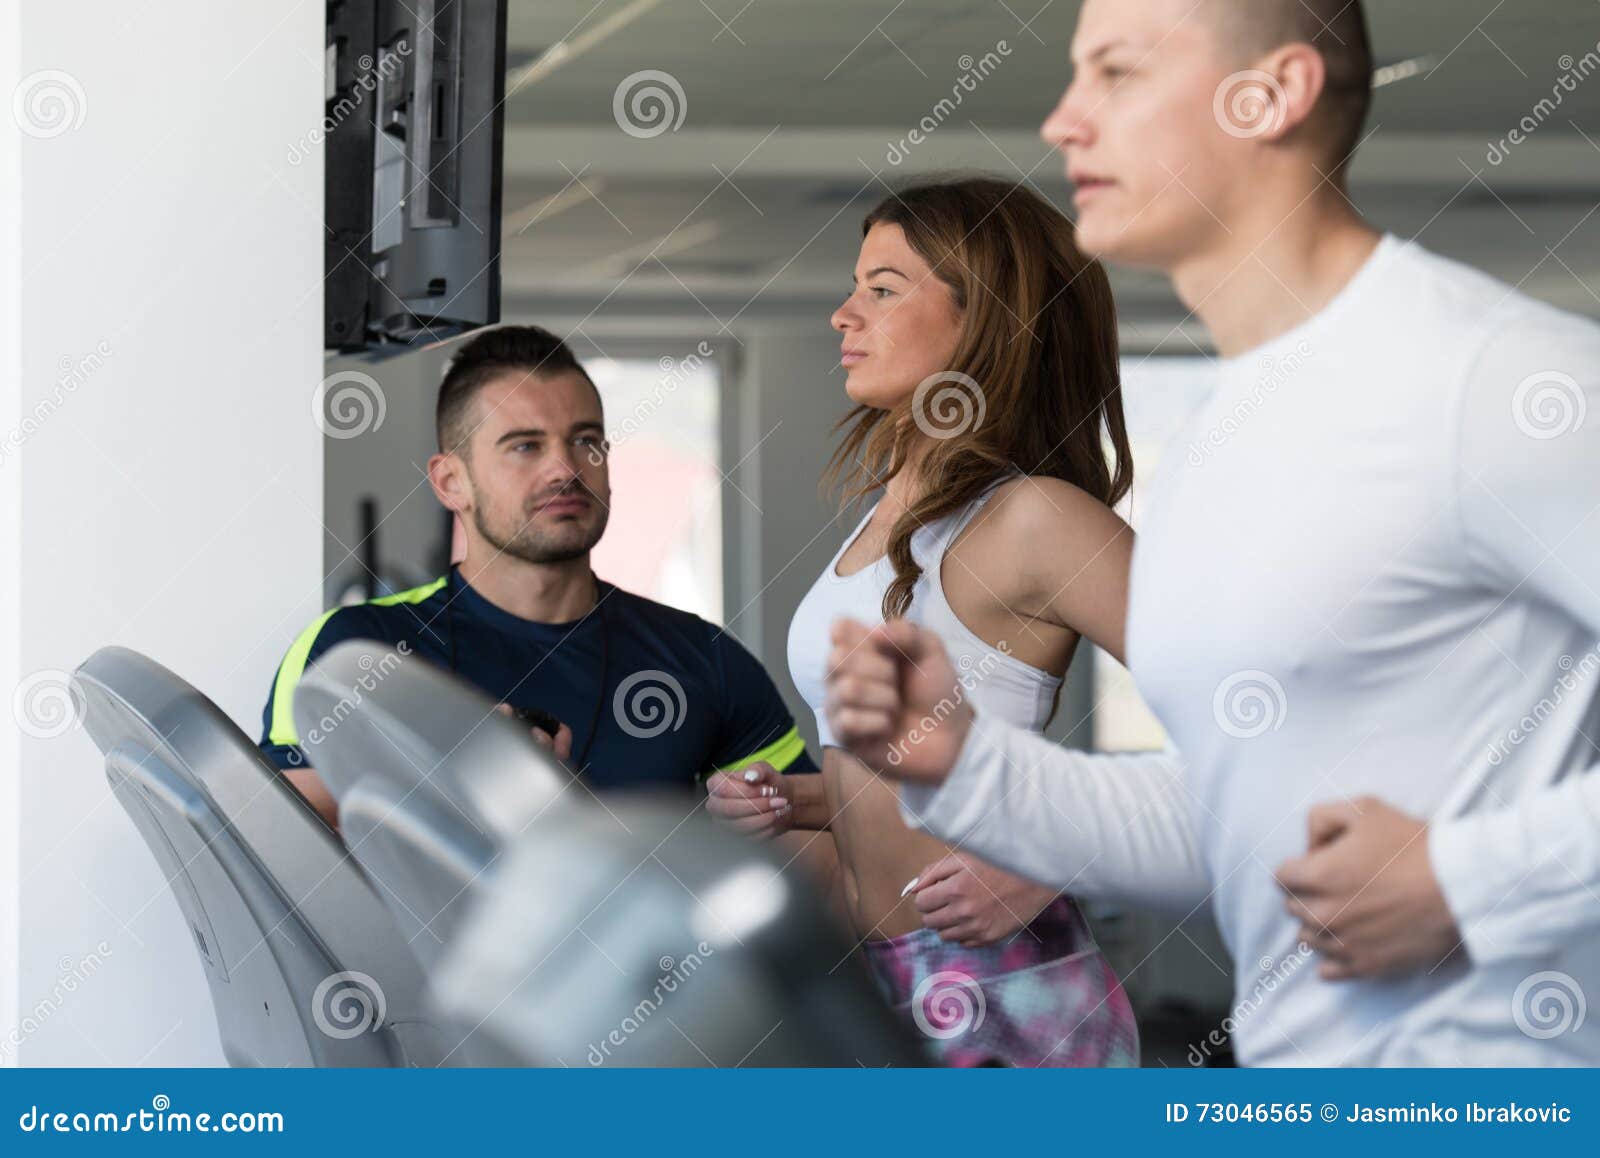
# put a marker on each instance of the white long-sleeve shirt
(1373, 568)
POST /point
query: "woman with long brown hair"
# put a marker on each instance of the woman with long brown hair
(980, 350)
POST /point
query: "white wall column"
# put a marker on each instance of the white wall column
(10, 513)
(162, 478)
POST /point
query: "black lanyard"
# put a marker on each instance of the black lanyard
(605, 655)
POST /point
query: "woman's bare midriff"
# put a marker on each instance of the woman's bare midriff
(878, 854)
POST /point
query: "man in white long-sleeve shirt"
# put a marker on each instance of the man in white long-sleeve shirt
(1365, 604)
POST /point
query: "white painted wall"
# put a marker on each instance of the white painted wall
(170, 499)
(10, 507)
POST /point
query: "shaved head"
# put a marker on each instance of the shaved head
(1337, 29)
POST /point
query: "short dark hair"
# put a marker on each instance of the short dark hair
(533, 350)
(1335, 28)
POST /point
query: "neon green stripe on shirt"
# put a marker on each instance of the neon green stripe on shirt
(294, 664)
(780, 753)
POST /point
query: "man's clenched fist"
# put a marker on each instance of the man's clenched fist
(893, 700)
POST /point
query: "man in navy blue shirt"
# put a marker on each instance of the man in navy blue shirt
(646, 694)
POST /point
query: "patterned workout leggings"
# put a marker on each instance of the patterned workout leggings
(1045, 996)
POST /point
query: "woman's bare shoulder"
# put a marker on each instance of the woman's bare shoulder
(1037, 511)
(1064, 557)
(1036, 533)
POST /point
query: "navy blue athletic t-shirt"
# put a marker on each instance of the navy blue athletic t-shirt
(680, 697)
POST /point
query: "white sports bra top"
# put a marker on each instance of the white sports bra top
(994, 680)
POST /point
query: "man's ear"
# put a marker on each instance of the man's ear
(1300, 74)
(447, 474)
